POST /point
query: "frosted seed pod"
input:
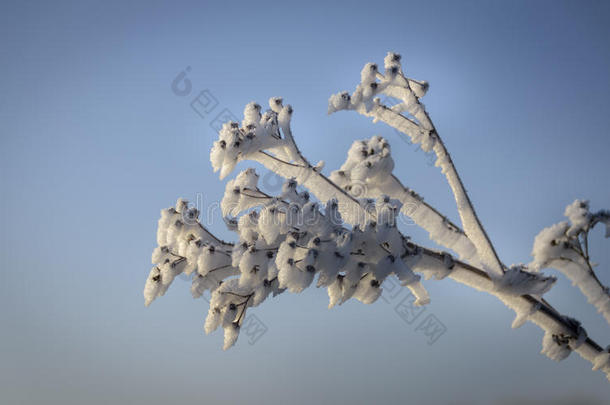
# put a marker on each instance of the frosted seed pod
(284, 116)
(368, 73)
(339, 101)
(275, 103)
(153, 286)
(579, 216)
(391, 59)
(369, 91)
(252, 112)
(368, 290)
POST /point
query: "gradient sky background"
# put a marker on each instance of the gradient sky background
(94, 143)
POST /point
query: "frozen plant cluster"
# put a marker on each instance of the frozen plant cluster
(284, 244)
(565, 247)
(257, 132)
(339, 232)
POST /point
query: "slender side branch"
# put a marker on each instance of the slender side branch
(395, 84)
(532, 309)
(564, 246)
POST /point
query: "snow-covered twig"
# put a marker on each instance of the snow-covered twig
(421, 130)
(565, 246)
(367, 173)
(526, 307)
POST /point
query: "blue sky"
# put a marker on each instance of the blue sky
(94, 143)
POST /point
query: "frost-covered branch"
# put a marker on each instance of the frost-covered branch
(255, 269)
(349, 245)
(421, 131)
(561, 334)
(565, 246)
(367, 173)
